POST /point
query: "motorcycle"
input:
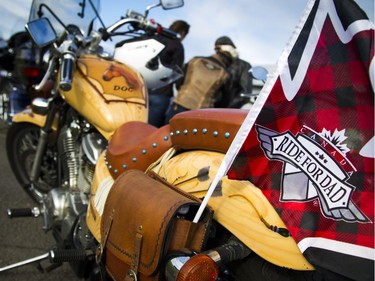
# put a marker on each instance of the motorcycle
(68, 129)
(95, 162)
(142, 51)
(66, 166)
(73, 139)
(21, 67)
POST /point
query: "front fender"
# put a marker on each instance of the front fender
(28, 116)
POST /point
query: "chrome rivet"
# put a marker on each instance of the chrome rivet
(204, 131)
(185, 132)
(154, 145)
(171, 134)
(177, 132)
(134, 159)
(115, 171)
(227, 135)
(166, 138)
(195, 131)
(215, 133)
(109, 167)
(124, 166)
(144, 151)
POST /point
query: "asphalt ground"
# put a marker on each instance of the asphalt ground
(23, 238)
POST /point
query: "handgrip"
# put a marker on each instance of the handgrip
(23, 212)
(159, 29)
(66, 72)
(66, 255)
(167, 32)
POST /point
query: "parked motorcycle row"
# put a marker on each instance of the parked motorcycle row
(84, 138)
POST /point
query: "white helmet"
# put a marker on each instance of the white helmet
(143, 57)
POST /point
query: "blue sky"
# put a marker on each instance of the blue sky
(259, 28)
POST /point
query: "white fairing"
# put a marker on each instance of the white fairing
(138, 54)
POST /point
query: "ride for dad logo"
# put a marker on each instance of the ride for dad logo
(314, 167)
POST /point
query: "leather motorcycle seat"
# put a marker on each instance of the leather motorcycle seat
(210, 129)
(136, 145)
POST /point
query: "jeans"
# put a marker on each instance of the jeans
(158, 105)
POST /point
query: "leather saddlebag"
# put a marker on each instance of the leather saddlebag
(145, 221)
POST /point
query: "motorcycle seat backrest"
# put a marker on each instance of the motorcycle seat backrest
(136, 145)
(207, 129)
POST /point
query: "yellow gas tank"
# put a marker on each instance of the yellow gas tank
(107, 93)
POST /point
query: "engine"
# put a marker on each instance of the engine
(68, 149)
(79, 148)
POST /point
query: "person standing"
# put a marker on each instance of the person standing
(241, 80)
(171, 56)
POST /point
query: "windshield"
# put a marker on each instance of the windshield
(77, 13)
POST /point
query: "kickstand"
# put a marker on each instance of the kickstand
(55, 256)
(26, 262)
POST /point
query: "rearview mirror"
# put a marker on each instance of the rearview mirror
(259, 73)
(171, 4)
(41, 31)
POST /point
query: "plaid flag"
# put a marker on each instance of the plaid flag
(308, 142)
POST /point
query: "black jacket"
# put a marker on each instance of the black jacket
(173, 54)
(241, 81)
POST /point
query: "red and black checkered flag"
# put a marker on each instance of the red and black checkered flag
(308, 142)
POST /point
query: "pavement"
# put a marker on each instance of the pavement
(22, 238)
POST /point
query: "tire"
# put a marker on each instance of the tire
(21, 143)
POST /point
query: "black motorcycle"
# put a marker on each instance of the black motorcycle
(21, 67)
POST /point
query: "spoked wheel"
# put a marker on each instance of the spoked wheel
(21, 144)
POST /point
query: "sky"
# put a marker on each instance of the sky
(259, 28)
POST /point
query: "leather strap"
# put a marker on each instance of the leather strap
(100, 249)
(133, 271)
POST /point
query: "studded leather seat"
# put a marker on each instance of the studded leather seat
(135, 145)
